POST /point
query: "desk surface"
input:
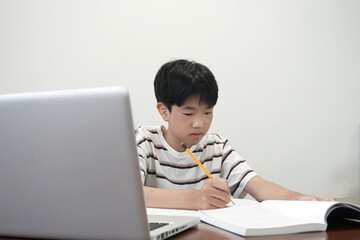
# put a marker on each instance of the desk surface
(207, 232)
(204, 231)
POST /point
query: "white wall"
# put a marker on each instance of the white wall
(288, 71)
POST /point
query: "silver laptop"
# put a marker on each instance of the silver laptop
(69, 168)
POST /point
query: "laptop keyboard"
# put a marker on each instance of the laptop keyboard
(155, 225)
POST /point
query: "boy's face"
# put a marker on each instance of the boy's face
(187, 123)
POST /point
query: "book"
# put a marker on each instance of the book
(273, 217)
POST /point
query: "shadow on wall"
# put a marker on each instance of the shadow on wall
(344, 174)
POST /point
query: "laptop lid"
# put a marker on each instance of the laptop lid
(68, 166)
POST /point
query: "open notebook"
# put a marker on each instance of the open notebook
(69, 168)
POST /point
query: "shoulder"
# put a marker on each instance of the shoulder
(149, 140)
(148, 132)
(148, 136)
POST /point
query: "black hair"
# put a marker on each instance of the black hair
(179, 79)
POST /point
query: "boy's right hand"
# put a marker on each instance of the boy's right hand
(214, 194)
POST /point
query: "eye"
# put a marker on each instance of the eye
(208, 113)
(187, 114)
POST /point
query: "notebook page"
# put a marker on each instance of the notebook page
(313, 211)
(250, 217)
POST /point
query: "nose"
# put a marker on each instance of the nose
(198, 122)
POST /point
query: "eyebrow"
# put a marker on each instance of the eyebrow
(193, 108)
(187, 108)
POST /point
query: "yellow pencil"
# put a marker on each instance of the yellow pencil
(198, 162)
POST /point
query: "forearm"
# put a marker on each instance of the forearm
(215, 193)
(262, 190)
(171, 198)
(274, 191)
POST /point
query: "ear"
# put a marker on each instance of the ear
(163, 110)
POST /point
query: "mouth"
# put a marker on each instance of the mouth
(196, 135)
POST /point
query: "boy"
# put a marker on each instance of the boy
(186, 93)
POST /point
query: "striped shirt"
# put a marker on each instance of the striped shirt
(163, 167)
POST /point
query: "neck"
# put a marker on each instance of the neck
(174, 142)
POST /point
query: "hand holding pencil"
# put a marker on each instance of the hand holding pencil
(215, 190)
